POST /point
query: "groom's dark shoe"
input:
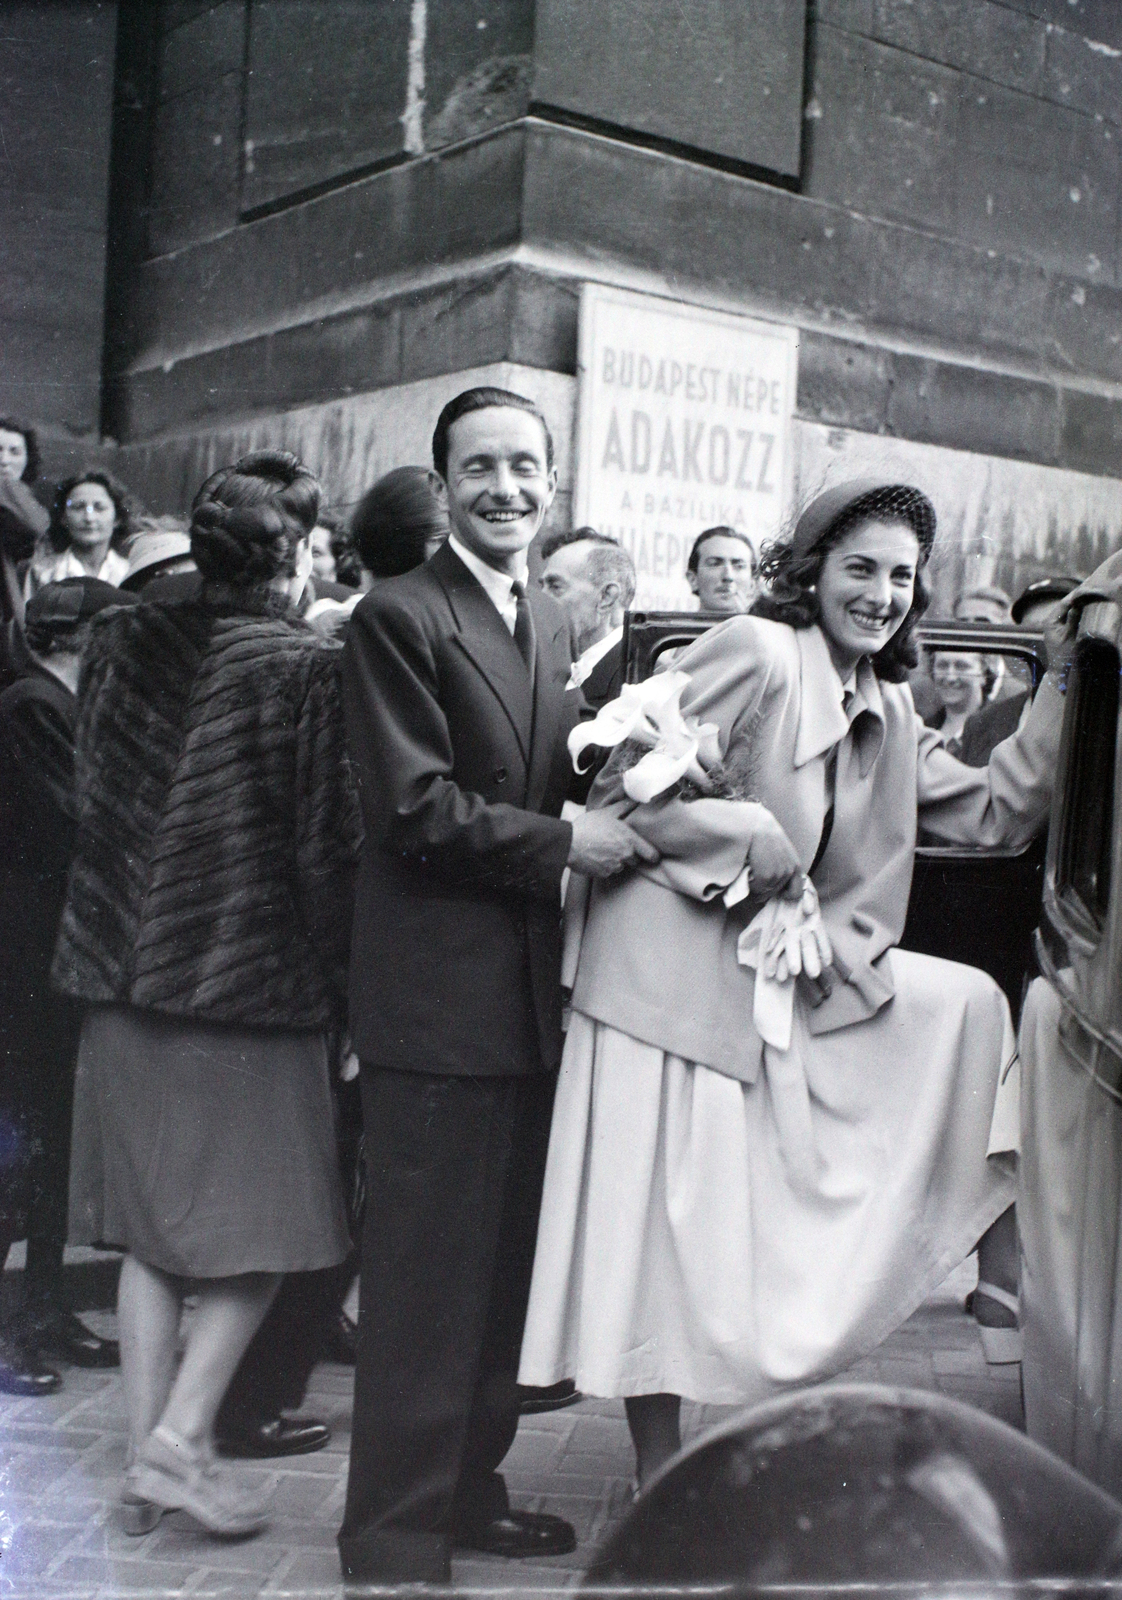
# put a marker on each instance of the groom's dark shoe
(260, 1437)
(519, 1534)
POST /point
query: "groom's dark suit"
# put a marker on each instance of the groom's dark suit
(455, 1015)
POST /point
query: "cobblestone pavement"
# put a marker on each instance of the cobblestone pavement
(61, 1458)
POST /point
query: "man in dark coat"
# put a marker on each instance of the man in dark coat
(457, 712)
(592, 578)
(38, 1028)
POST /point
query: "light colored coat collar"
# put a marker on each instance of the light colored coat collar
(823, 721)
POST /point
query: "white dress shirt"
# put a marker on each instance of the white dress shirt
(497, 586)
(590, 658)
(54, 567)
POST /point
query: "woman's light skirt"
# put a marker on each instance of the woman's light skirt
(680, 1252)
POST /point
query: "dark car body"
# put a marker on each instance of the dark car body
(1070, 1185)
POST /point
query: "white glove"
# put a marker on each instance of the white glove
(798, 941)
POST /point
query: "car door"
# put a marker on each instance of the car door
(968, 904)
(1069, 1196)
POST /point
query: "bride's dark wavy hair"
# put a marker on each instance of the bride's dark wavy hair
(791, 567)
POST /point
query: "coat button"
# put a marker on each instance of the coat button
(500, 774)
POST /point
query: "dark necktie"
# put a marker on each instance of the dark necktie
(524, 627)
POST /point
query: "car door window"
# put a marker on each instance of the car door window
(1086, 784)
(973, 684)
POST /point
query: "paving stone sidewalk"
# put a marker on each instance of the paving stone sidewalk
(61, 1459)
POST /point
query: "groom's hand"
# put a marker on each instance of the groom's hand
(603, 844)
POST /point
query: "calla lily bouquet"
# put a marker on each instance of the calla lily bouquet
(670, 750)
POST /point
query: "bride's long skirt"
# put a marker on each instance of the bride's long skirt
(683, 1250)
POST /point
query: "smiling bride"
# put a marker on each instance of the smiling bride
(757, 1172)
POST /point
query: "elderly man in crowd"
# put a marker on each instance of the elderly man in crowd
(592, 578)
(721, 571)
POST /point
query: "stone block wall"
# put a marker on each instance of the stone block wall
(343, 197)
(56, 93)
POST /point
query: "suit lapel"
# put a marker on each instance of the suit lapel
(486, 641)
(551, 673)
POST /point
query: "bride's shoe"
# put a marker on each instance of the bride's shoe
(1000, 1346)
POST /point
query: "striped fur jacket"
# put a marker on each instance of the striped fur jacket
(217, 826)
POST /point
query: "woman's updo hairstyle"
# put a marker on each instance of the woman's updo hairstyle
(791, 567)
(247, 520)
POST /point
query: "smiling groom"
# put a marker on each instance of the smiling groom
(457, 715)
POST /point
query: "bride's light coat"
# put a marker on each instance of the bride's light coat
(661, 965)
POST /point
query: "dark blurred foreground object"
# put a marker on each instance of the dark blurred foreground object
(862, 1484)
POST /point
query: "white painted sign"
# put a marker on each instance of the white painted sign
(684, 423)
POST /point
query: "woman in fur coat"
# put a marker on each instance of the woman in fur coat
(206, 930)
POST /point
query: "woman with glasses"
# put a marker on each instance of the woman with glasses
(966, 681)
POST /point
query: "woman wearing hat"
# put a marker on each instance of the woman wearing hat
(739, 1196)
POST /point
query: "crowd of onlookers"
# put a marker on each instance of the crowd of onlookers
(89, 525)
(974, 699)
(67, 552)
